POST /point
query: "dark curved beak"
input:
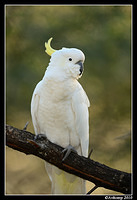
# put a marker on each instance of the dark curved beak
(80, 63)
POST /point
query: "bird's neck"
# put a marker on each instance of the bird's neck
(58, 75)
(60, 87)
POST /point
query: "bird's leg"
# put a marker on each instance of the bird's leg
(26, 125)
(67, 151)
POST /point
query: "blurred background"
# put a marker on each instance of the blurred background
(103, 33)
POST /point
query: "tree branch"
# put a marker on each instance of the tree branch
(100, 174)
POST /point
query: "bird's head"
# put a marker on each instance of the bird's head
(68, 61)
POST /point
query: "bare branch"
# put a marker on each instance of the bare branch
(100, 174)
(92, 190)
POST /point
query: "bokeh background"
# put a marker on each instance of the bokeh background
(103, 33)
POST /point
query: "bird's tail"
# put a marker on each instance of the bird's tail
(65, 183)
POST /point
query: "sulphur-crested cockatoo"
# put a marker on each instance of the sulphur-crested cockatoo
(59, 109)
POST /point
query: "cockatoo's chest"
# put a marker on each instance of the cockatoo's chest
(55, 113)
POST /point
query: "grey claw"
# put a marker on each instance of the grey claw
(68, 150)
(40, 136)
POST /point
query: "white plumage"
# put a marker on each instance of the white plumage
(59, 109)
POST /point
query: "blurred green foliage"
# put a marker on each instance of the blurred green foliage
(103, 33)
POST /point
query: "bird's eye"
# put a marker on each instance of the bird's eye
(70, 59)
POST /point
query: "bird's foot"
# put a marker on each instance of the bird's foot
(40, 136)
(37, 141)
(67, 151)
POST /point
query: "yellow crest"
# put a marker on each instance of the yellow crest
(49, 50)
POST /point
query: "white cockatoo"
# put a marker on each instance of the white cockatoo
(59, 109)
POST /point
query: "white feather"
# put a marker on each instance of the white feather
(80, 104)
(59, 109)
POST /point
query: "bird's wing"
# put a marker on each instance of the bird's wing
(80, 104)
(34, 111)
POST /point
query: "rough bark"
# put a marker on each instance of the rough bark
(100, 174)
